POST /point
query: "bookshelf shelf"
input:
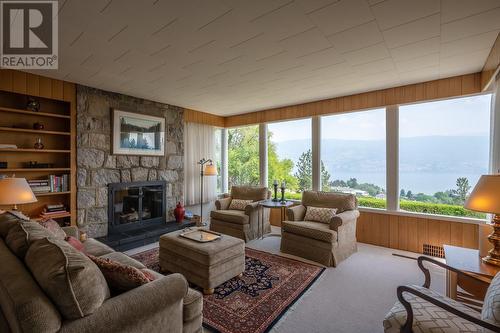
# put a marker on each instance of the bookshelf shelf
(35, 170)
(33, 113)
(31, 150)
(46, 194)
(26, 130)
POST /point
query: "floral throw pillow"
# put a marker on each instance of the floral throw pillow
(239, 204)
(319, 214)
(54, 228)
(120, 277)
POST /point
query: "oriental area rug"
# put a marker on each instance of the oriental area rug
(270, 285)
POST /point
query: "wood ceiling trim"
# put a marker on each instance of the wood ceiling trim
(193, 116)
(431, 90)
(491, 66)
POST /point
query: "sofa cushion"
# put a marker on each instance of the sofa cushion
(22, 234)
(239, 204)
(54, 228)
(8, 220)
(96, 248)
(233, 216)
(120, 277)
(193, 305)
(491, 306)
(255, 193)
(428, 317)
(341, 201)
(123, 259)
(25, 306)
(320, 214)
(73, 282)
(310, 229)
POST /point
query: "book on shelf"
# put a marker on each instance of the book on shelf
(7, 146)
(52, 184)
(54, 211)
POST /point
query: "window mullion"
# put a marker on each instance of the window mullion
(392, 157)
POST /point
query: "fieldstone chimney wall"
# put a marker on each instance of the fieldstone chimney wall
(97, 167)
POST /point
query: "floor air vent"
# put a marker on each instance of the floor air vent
(433, 250)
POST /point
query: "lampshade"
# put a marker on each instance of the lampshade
(485, 196)
(210, 170)
(15, 191)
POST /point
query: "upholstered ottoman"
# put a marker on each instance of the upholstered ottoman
(207, 265)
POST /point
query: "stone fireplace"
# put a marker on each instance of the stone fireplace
(97, 167)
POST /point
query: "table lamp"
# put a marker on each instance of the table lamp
(485, 197)
(15, 191)
(207, 168)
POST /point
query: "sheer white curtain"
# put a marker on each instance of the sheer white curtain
(199, 142)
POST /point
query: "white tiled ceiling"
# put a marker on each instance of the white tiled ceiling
(234, 56)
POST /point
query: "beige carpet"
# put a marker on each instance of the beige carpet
(353, 297)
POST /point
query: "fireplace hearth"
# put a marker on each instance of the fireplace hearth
(137, 214)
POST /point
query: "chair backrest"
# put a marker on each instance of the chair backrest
(341, 201)
(255, 193)
(491, 305)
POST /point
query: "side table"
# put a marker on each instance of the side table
(271, 204)
(469, 263)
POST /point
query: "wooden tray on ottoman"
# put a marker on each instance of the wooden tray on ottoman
(201, 235)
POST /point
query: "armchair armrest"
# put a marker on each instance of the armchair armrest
(252, 207)
(153, 307)
(407, 328)
(72, 231)
(296, 213)
(343, 218)
(223, 203)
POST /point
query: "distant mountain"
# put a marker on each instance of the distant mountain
(434, 154)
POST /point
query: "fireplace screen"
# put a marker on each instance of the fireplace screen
(132, 204)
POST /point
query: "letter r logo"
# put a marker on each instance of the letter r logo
(27, 27)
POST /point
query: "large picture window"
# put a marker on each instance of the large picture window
(243, 156)
(353, 155)
(444, 149)
(289, 156)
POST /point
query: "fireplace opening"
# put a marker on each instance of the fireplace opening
(137, 214)
(137, 204)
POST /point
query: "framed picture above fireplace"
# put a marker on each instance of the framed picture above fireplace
(138, 134)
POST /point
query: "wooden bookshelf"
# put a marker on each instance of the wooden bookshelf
(57, 113)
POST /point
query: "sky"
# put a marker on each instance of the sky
(467, 116)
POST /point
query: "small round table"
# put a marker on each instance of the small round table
(271, 204)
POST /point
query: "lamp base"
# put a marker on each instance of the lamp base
(493, 256)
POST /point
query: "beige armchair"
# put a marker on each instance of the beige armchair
(242, 224)
(325, 243)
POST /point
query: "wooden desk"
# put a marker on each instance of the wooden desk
(470, 264)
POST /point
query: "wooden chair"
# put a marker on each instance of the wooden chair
(420, 309)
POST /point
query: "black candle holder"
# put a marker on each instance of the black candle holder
(275, 199)
(283, 195)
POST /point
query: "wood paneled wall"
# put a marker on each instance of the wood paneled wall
(40, 86)
(425, 91)
(410, 233)
(193, 116)
(491, 66)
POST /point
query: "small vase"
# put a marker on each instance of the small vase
(33, 105)
(38, 126)
(179, 212)
(39, 144)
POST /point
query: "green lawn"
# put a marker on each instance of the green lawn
(411, 206)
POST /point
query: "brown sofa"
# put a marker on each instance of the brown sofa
(325, 243)
(163, 305)
(243, 224)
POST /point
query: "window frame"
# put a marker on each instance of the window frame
(392, 157)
